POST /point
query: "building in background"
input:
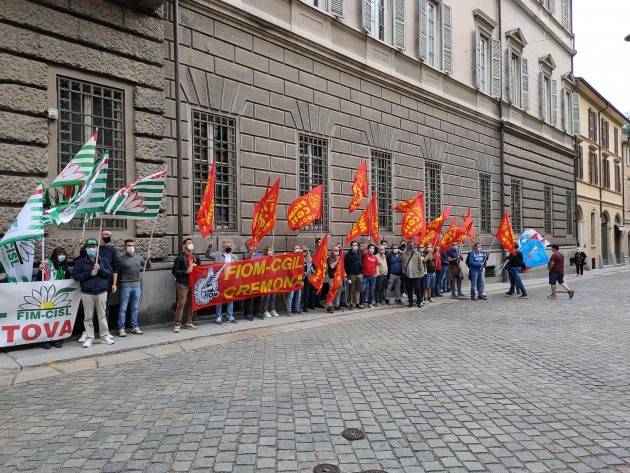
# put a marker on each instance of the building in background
(470, 101)
(600, 179)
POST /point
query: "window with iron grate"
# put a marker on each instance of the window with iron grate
(485, 206)
(313, 172)
(382, 187)
(516, 205)
(433, 187)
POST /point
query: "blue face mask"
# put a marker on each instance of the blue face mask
(91, 252)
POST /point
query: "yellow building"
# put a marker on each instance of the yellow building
(600, 183)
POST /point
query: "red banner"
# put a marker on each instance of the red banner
(359, 187)
(451, 237)
(320, 266)
(264, 219)
(340, 276)
(373, 220)
(205, 215)
(431, 234)
(361, 226)
(468, 227)
(402, 207)
(414, 220)
(306, 209)
(219, 283)
(505, 234)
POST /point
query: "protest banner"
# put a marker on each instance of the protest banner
(32, 312)
(219, 283)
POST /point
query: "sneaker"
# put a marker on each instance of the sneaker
(329, 310)
(398, 301)
(267, 314)
(176, 328)
(571, 293)
(87, 343)
(550, 296)
(484, 297)
(460, 294)
(218, 321)
(121, 332)
(360, 306)
(473, 298)
(298, 312)
(370, 306)
(57, 343)
(83, 337)
(107, 339)
(136, 331)
(274, 314)
(454, 296)
(509, 293)
(522, 297)
(249, 317)
(423, 303)
(232, 320)
(47, 346)
(190, 326)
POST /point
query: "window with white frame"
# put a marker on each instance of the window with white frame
(383, 20)
(432, 34)
(515, 78)
(484, 63)
(546, 89)
(436, 35)
(336, 7)
(378, 19)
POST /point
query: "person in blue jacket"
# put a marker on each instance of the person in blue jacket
(476, 262)
(94, 272)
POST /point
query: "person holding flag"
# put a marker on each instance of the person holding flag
(332, 263)
(353, 264)
(455, 276)
(394, 275)
(414, 270)
(515, 265)
(226, 256)
(182, 267)
(268, 304)
(476, 262)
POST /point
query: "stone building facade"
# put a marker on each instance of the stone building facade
(600, 179)
(469, 101)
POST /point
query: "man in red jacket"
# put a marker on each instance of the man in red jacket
(369, 263)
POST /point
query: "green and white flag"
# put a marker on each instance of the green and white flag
(74, 175)
(29, 224)
(89, 201)
(16, 260)
(138, 200)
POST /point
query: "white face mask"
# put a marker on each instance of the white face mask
(190, 247)
(131, 250)
(61, 258)
(395, 251)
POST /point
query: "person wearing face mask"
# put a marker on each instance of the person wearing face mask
(182, 267)
(225, 256)
(54, 269)
(252, 306)
(369, 264)
(332, 263)
(381, 276)
(130, 267)
(94, 272)
(353, 262)
(294, 298)
(437, 259)
(394, 274)
(414, 270)
(269, 300)
(429, 278)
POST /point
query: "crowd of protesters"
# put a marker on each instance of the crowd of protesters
(375, 275)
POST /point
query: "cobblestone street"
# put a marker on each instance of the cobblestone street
(503, 385)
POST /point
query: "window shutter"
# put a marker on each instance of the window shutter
(541, 96)
(366, 12)
(575, 114)
(477, 58)
(336, 7)
(496, 68)
(447, 39)
(424, 28)
(554, 102)
(399, 24)
(563, 114)
(510, 72)
(565, 13)
(524, 85)
(552, 6)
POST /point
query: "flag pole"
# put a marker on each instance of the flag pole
(150, 242)
(100, 230)
(83, 230)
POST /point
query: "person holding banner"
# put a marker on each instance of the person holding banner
(225, 256)
(269, 300)
(251, 306)
(54, 269)
(332, 263)
(182, 267)
(476, 262)
(308, 291)
(515, 265)
(94, 272)
(295, 297)
(130, 267)
(429, 279)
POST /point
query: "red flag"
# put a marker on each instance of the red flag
(468, 227)
(451, 237)
(361, 226)
(306, 209)
(373, 220)
(320, 266)
(359, 187)
(205, 215)
(414, 220)
(431, 235)
(264, 218)
(505, 234)
(403, 206)
(339, 277)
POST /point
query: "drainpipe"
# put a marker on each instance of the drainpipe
(501, 132)
(601, 174)
(178, 122)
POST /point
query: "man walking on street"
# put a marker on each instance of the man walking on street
(476, 262)
(130, 265)
(556, 272)
(514, 266)
(182, 267)
(580, 260)
(94, 273)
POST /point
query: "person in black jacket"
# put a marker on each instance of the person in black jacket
(354, 270)
(514, 266)
(95, 275)
(580, 260)
(182, 267)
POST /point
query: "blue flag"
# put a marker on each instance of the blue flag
(534, 253)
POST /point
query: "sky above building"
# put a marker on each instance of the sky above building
(603, 57)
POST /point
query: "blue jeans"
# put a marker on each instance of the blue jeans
(129, 297)
(442, 279)
(229, 310)
(368, 291)
(476, 282)
(294, 298)
(516, 281)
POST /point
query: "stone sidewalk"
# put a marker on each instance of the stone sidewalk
(30, 363)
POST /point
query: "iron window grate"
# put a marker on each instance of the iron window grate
(516, 205)
(433, 176)
(485, 206)
(382, 187)
(313, 172)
